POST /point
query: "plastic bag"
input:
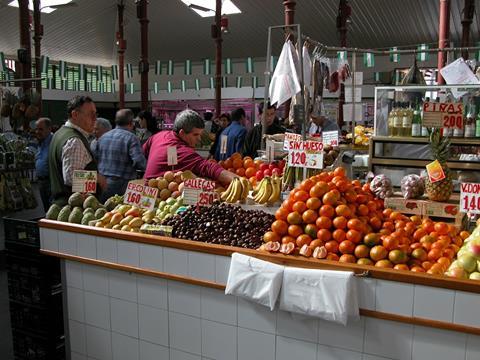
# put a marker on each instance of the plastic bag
(412, 186)
(381, 186)
(284, 84)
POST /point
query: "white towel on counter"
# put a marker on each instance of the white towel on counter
(253, 279)
(326, 294)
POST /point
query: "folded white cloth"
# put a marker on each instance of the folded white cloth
(326, 294)
(254, 279)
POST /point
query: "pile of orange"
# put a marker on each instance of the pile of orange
(331, 217)
(242, 166)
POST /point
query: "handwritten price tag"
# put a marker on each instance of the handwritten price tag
(306, 154)
(140, 195)
(290, 137)
(470, 198)
(199, 192)
(84, 181)
(330, 138)
(439, 115)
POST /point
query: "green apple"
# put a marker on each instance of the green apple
(468, 262)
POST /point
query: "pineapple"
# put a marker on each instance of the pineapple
(440, 147)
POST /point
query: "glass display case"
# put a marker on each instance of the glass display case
(401, 144)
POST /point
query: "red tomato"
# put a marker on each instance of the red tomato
(272, 167)
(267, 172)
(259, 175)
(263, 167)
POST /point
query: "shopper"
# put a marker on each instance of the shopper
(102, 126)
(43, 132)
(221, 123)
(319, 122)
(70, 150)
(253, 141)
(119, 155)
(235, 134)
(147, 126)
(186, 133)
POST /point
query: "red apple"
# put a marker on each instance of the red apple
(271, 167)
(263, 167)
(259, 175)
(277, 172)
(267, 172)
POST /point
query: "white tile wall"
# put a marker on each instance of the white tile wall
(394, 297)
(149, 351)
(97, 310)
(201, 266)
(185, 333)
(106, 249)
(151, 257)
(466, 309)
(433, 344)
(87, 246)
(67, 242)
(95, 279)
(124, 317)
(473, 347)
(256, 317)
(333, 353)
(124, 347)
(74, 275)
(181, 355)
(175, 261)
(184, 298)
(77, 336)
(49, 239)
(152, 291)
(219, 341)
(433, 303)
(297, 326)
(122, 285)
(153, 325)
(75, 304)
(255, 345)
(366, 293)
(348, 337)
(99, 343)
(388, 339)
(217, 306)
(288, 349)
(222, 267)
(128, 253)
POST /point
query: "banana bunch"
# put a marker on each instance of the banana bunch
(268, 190)
(236, 191)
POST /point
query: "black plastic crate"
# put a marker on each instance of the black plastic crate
(27, 346)
(33, 265)
(21, 232)
(31, 290)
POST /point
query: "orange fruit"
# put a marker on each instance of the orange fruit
(419, 254)
(340, 222)
(288, 239)
(323, 222)
(280, 227)
(327, 210)
(295, 230)
(346, 247)
(299, 206)
(434, 254)
(378, 252)
(311, 230)
(348, 258)
(324, 235)
(271, 236)
(236, 156)
(248, 162)
(240, 171)
(361, 251)
(362, 210)
(314, 203)
(307, 184)
(250, 171)
(332, 257)
(281, 213)
(464, 234)
(371, 239)
(253, 181)
(441, 228)
(390, 242)
(237, 163)
(303, 239)
(397, 256)
(339, 171)
(309, 216)
(354, 236)
(294, 218)
(384, 263)
(339, 235)
(355, 224)
(343, 210)
(375, 222)
(301, 196)
(331, 246)
(330, 198)
(319, 189)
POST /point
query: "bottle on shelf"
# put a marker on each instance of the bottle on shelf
(424, 129)
(407, 116)
(417, 122)
(397, 121)
(391, 114)
(470, 121)
(477, 126)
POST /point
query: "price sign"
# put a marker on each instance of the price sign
(270, 151)
(470, 198)
(330, 138)
(172, 156)
(223, 144)
(84, 181)
(440, 115)
(306, 154)
(290, 137)
(199, 192)
(140, 195)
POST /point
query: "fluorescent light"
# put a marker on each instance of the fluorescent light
(45, 5)
(228, 7)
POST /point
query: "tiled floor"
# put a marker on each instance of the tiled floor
(6, 349)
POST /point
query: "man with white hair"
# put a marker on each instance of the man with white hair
(102, 126)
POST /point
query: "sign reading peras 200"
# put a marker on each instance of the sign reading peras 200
(440, 115)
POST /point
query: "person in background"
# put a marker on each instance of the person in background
(186, 134)
(102, 126)
(209, 124)
(43, 132)
(235, 133)
(221, 123)
(147, 126)
(119, 155)
(253, 141)
(70, 150)
(319, 122)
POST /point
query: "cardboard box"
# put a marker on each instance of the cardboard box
(412, 207)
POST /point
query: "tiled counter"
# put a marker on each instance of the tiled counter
(129, 300)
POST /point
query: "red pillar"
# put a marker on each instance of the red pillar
(468, 12)
(26, 68)
(143, 65)
(122, 46)
(443, 35)
(37, 37)
(217, 35)
(289, 9)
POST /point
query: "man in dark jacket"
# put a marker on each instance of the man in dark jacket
(253, 141)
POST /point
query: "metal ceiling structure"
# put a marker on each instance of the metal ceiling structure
(86, 33)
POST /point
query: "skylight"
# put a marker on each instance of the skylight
(206, 8)
(47, 6)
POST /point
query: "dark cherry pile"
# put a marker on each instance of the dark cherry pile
(223, 224)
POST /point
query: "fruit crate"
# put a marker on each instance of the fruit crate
(28, 346)
(32, 290)
(33, 265)
(21, 232)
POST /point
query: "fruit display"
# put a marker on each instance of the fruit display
(167, 208)
(237, 191)
(81, 209)
(221, 223)
(467, 264)
(268, 190)
(331, 217)
(440, 148)
(362, 136)
(412, 187)
(381, 186)
(170, 184)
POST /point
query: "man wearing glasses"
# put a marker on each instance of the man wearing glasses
(70, 150)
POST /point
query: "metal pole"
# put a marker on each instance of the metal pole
(342, 19)
(143, 65)
(443, 35)
(267, 86)
(218, 58)
(468, 12)
(26, 68)
(122, 46)
(37, 37)
(289, 6)
(354, 68)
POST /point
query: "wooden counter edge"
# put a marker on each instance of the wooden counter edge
(287, 260)
(188, 280)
